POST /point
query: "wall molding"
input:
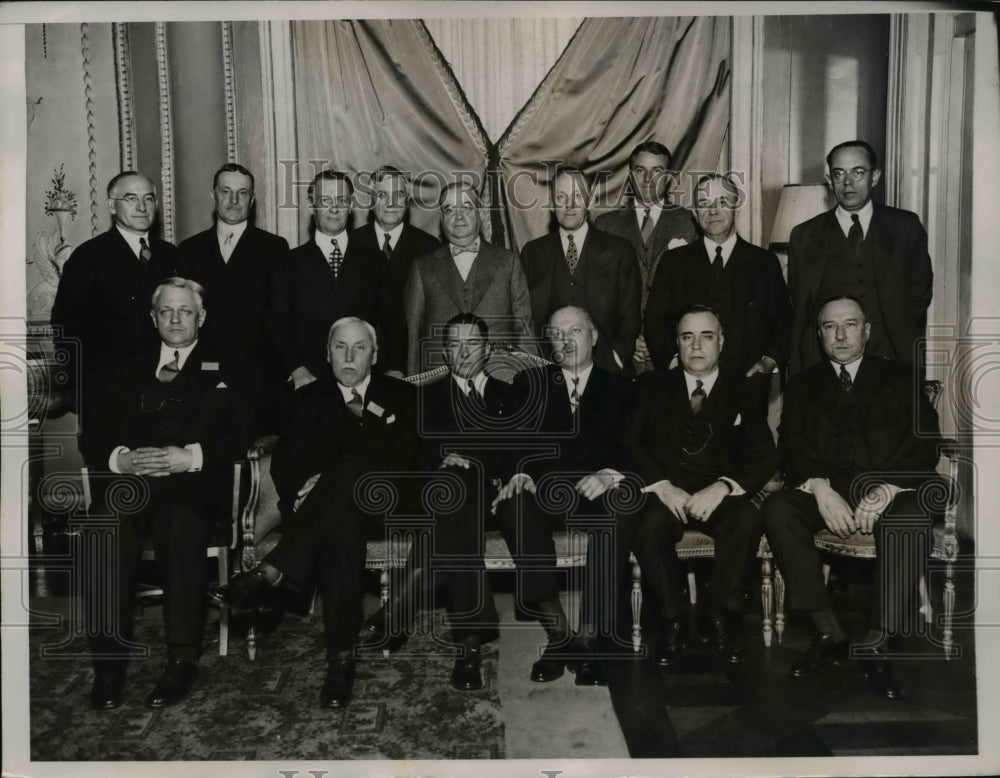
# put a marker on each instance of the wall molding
(123, 94)
(281, 213)
(166, 133)
(229, 85)
(746, 122)
(88, 94)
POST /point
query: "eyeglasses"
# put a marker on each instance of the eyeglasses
(330, 202)
(133, 200)
(837, 175)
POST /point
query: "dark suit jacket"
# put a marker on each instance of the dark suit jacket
(325, 437)
(608, 272)
(674, 222)
(215, 414)
(653, 438)
(892, 407)
(586, 442)
(904, 280)
(307, 302)
(103, 300)
(756, 319)
(413, 242)
(433, 295)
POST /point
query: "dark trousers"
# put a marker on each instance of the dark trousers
(902, 544)
(527, 529)
(119, 523)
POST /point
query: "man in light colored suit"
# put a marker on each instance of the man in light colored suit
(466, 275)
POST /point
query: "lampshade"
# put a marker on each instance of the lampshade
(798, 203)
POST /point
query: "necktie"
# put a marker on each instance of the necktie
(169, 371)
(574, 396)
(474, 395)
(856, 234)
(387, 247)
(717, 264)
(336, 260)
(697, 396)
(356, 404)
(145, 255)
(227, 246)
(647, 227)
(845, 379)
(572, 256)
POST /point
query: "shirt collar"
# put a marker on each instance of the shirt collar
(579, 236)
(472, 248)
(479, 381)
(222, 230)
(362, 388)
(727, 247)
(133, 239)
(852, 367)
(707, 382)
(864, 217)
(325, 242)
(167, 355)
(393, 234)
(583, 374)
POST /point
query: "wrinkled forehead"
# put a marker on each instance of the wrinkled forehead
(698, 323)
(175, 296)
(351, 334)
(234, 180)
(841, 310)
(138, 185)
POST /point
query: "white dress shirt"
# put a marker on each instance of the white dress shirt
(133, 239)
(864, 217)
(223, 231)
(727, 248)
(325, 243)
(393, 234)
(579, 236)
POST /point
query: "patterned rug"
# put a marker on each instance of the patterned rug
(403, 706)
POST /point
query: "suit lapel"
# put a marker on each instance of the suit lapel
(443, 267)
(817, 252)
(881, 244)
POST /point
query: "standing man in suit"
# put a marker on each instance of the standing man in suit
(739, 280)
(236, 263)
(579, 407)
(871, 251)
(365, 422)
(326, 279)
(388, 232)
(582, 266)
(102, 302)
(163, 433)
(702, 448)
(848, 442)
(650, 222)
(466, 275)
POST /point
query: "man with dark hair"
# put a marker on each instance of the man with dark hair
(326, 279)
(650, 222)
(102, 303)
(702, 447)
(388, 232)
(580, 265)
(466, 275)
(167, 425)
(236, 263)
(739, 280)
(871, 251)
(849, 444)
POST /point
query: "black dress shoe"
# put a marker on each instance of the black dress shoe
(108, 690)
(338, 684)
(552, 663)
(246, 592)
(668, 652)
(823, 651)
(881, 676)
(467, 676)
(588, 668)
(715, 633)
(174, 685)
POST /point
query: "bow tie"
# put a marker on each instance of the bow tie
(472, 248)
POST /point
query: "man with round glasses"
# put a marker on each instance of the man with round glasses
(865, 249)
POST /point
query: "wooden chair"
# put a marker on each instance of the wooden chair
(944, 547)
(219, 552)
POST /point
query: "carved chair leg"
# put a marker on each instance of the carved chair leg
(636, 607)
(252, 642)
(779, 603)
(767, 600)
(223, 610)
(692, 584)
(949, 609)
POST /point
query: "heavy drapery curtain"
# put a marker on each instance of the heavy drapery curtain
(378, 92)
(618, 83)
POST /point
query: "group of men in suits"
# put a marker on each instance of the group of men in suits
(294, 337)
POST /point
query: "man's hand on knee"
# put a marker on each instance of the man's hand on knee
(835, 511)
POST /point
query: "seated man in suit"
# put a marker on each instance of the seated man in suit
(165, 429)
(467, 275)
(464, 419)
(365, 422)
(326, 279)
(388, 232)
(848, 442)
(236, 264)
(579, 407)
(739, 280)
(702, 448)
(582, 266)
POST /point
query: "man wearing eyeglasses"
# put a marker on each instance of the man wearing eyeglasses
(870, 251)
(466, 275)
(102, 304)
(163, 433)
(701, 445)
(327, 279)
(236, 263)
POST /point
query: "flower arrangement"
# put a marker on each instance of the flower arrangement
(59, 198)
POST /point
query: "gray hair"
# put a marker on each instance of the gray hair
(351, 320)
(179, 283)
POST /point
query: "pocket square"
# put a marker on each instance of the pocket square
(221, 385)
(676, 243)
(210, 366)
(391, 419)
(738, 421)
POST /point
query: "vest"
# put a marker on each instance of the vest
(851, 451)
(164, 410)
(567, 288)
(699, 457)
